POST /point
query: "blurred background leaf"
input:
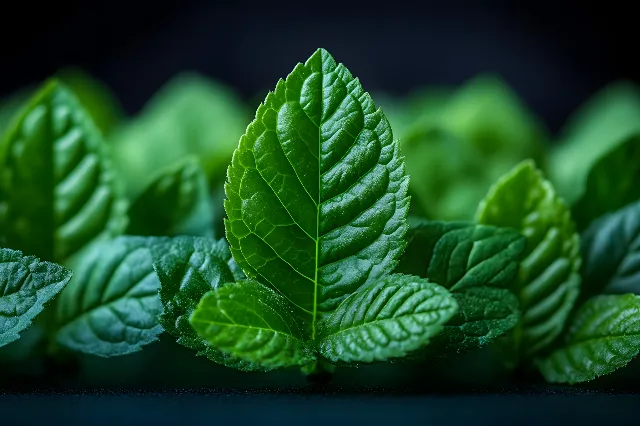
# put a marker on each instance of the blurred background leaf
(600, 124)
(457, 142)
(189, 115)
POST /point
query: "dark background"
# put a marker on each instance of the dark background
(554, 53)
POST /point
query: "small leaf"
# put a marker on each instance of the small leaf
(110, 308)
(176, 202)
(484, 314)
(603, 122)
(479, 265)
(188, 268)
(26, 285)
(388, 319)
(57, 190)
(460, 255)
(611, 253)
(190, 115)
(252, 322)
(317, 191)
(611, 183)
(603, 337)
(548, 281)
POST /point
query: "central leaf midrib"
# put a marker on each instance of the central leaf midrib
(317, 239)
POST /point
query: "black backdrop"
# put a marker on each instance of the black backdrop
(554, 53)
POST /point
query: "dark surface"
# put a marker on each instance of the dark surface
(555, 53)
(528, 406)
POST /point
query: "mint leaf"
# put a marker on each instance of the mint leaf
(110, 308)
(611, 183)
(176, 202)
(611, 252)
(484, 314)
(603, 122)
(489, 114)
(388, 319)
(190, 115)
(603, 336)
(26, 285)
(57, 189)
(460, 255)
(548, 281)
(317, 191)
(188, 268)
(252, 322)
(478, 264)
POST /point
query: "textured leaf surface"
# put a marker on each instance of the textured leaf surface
(190, 115)
(188, 268)
(604, 121)
(57, 190)
(250, 321)
(26, 285)
(479, 265)
(603, 336)
(317, 191)
(611, 183)
(611, 253)
(387, 319)
(176, 202)
(460, 255)
(548, 280)
(111, 306)
(484, 314)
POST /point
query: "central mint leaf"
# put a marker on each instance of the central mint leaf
(317, 190)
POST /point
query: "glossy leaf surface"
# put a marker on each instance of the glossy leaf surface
(603, 336)
(317, 191)
(250, 321)
(388, 319)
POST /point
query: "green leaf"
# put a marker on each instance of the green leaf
(317, 191)
(26, 285)
(488, 113)
(57, 189)
(95, 96)
(603, 337)
(611, 252)
(603, 122)
(484, 314)
(111, 306)
(188, 268)
(548, 281)
(388, 319)
(189, 116)
(176, 202)
(460, 255)
(611, 183)
(479, 265)
(252, 322)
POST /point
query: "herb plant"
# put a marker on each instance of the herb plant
(319, 237)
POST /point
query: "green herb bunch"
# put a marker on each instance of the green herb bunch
(326, 232)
